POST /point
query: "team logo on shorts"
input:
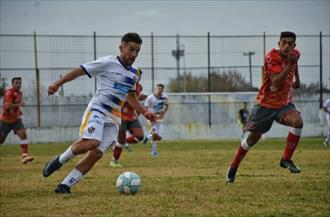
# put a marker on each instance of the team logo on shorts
(91, 130)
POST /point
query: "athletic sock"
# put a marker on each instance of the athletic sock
(117, 151)
(240, 154)
(66, 156)
(154, 147)
(291, 143)
(327, 140)
(72, 178)
(24, 146)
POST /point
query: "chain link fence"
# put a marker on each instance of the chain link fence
(41, 59)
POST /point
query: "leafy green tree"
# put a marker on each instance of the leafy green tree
(230, 81)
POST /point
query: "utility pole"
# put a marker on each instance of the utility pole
(177, 54)
(249, 54)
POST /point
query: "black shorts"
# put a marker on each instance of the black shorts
(5, 127)
(127, 125)
(261, 118)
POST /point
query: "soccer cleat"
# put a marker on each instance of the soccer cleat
(115, 164)
(231, 173)
(51, 166)
(290, 165)
(128, 147)
(154, 154)
(326, 144)
(62, 189)
(26, 158)
(145, 140)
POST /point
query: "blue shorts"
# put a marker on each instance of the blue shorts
(261, 118)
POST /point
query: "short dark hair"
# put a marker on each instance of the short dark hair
(15, 78)
(160, 85)
(288, 34)
(131, 37)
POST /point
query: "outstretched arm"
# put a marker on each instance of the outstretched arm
(134, 102)
(73, 74)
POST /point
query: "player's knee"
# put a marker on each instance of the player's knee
(297, 123)
(94, 144)
(95, 154)
(156, 137)
(253, 138)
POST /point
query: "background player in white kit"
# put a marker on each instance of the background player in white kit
(100, 123)
(326, 108)
(156, 102)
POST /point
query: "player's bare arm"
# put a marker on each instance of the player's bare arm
(66, 78)
(162, 113)
(134, 102)
(296, 83)
(278, 80)
(142, 97)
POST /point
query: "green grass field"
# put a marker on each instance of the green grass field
(187, 179)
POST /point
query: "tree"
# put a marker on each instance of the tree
(230, 81)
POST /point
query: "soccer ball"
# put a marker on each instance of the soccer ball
(128, 183)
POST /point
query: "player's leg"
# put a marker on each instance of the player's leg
(4, 131)
(91, 132)
(327, 139)
(148, 135)
(109, 135)
(20, 131)
(289, 116)
(243, 130)
(137, 134)
(118, 147)
(81, 168)
(240, 153)
(260, 121)
(155, 137)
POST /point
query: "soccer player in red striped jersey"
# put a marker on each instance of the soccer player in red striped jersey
(130, 123)
(274, 103)
(11, 117)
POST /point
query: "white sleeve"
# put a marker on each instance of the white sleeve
(96, 67)
(147, 102)
(326, 103)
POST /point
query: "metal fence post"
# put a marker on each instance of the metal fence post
(321, 72)
(94, 40)
(152, 62)
(209, 75)
(37, 79)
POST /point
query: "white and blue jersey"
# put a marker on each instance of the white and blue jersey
(155, 104)
(103, 114)
(115, 82)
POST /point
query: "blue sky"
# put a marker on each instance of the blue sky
(164, 17)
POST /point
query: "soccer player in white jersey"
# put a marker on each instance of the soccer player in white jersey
(156, 102)
(100, 123)
(326, 108)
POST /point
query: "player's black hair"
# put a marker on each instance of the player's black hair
(161, 85)
(131, 37)
(15, 78)
(288, 34)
